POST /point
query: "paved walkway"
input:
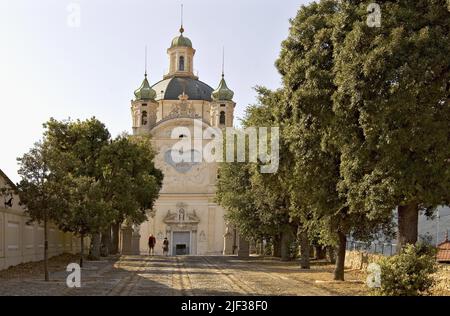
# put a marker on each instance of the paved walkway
(194, 275)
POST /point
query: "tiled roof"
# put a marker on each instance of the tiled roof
(8, 180)
(443, 253)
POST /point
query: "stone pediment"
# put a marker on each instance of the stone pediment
(181, 216)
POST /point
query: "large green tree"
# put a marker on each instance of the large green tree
(235, 195)
(259, 205)
(74, 148)
(310, 127)
(392, 103)
(271, 190)
(87, 212)
(130, 180)
(306, 62)
(252, 207)
(39, 192)
(102, 181)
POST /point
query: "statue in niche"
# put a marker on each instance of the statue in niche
(181, 215)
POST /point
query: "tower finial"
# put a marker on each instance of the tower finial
(145, 61)
(181, 28)
(223, 61)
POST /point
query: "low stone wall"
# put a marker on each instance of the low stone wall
(359, 259)
(21, 242)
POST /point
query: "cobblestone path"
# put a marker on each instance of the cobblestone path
(193, 275)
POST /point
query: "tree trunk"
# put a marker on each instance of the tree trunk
(235, 240)
(276, 247)
(261, 247)
(244, 247)
(106, 243)
(96, 243)
(319, 252)
(81, 250)
(268, 248)
(286, 239)
(46, 274)
(304, 250)
(115, 238)
(331, 254)
(339, 269)
(408, 221)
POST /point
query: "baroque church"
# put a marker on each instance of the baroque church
(185, 213)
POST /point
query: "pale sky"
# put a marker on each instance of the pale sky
(49, 69)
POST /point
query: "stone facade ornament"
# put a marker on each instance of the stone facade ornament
(181, 217)
(183, 109)
(202, 237)
(228, 241)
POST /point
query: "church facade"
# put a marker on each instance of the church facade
(185, 213)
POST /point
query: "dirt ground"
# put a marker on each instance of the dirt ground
(33, 269)
(193, 275)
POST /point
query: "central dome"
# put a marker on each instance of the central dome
(172, 88)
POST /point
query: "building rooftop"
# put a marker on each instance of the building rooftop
(443, 253)
(172, 88)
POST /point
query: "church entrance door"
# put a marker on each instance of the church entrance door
(181, 243)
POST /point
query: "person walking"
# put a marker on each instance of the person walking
(151, 245)
(166, 246)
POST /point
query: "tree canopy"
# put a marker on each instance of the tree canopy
(84, 181)
(364, 116)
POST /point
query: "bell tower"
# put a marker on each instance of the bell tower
(181, 57)
(144, 108)
(222, 105)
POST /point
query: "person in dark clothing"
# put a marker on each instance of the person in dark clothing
(166, 246)
(151, 244)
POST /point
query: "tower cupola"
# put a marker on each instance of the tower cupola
(181, 57)
(181, 41)
(222, 93)
(145, 92)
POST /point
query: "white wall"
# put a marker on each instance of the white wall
(21, 243)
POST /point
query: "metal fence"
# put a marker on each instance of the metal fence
(376, 247)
